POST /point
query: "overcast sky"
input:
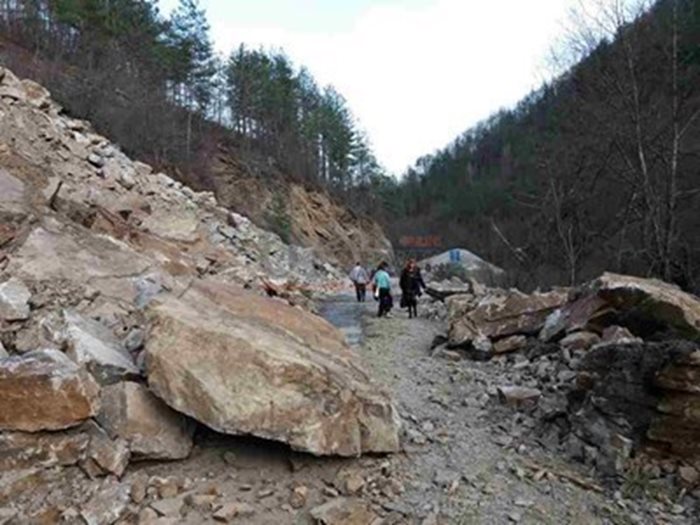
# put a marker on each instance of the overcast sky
(416, 73)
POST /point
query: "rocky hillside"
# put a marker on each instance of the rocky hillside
(132, 310)
(309, 217)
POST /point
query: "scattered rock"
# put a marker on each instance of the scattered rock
(343, 511)
(23, 450)
(169, 507)
(298, 497)
(45, 390)
(107, 505)
(510, 344)
(518, 395)
(14, 300)
(104, 455)
(502, 314)
(227, 512)
(579, 341)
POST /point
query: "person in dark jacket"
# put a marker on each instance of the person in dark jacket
(412, 286)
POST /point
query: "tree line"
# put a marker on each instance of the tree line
(597, 170)
(155, 85)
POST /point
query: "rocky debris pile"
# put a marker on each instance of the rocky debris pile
(608, 370)
(124, 319)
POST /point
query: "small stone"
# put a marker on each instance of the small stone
(229, 511)
(689, 475)
(265, 493)
(139, 486)
(147, 516)
(298, 498)
(515, 517)
(428, 427)
(518, 395)
(96, 160)
(509, 344)
(167, 487)
(354, 483)
(126, 180)
(201, 501)
(170, 507)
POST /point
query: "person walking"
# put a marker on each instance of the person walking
(412, 286)
(382, 289)
(360, 278)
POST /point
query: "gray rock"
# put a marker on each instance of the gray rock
(93, 345)
(108, 504)
(96, 160)
(14, 300)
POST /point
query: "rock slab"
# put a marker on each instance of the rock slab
(244, 364)
(45, 390)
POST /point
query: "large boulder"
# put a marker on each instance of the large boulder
(151, 428)
(651, 300)
(501, 314)
(243, 364)
(45, 390)
(645, 306)
(23, 450)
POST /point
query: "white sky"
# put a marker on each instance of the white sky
(416, 73)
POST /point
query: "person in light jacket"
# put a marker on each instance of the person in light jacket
(360, 278)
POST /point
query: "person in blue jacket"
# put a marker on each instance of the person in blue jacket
(382, 289)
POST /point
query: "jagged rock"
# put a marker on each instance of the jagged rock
(682, 375)
(23, 450)
(151, 428)
(651, 300)
(3, 352)
(169, 507)
(574, 316)
(510, 344)
(243, 364)
(108, 504)
(229, 511)
(579, 341)
(443, 289)
(14, 300)
(93, 345)
(45, 390)
(104, 455)
(343, 511)
(618, 335)
(502, 314)
(518, 395)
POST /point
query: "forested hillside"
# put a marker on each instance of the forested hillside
(156, 86)
(597, 170)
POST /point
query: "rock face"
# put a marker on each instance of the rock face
(316, 222)
(502, 314)
(242, 365)
(679, 426)
(45, 390)
(151, 428)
